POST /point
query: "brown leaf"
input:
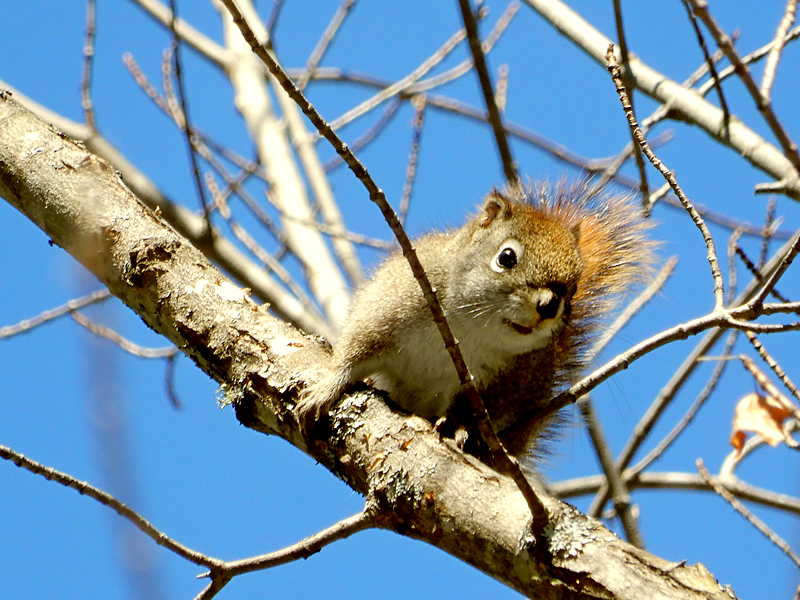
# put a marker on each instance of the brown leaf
(763, 415)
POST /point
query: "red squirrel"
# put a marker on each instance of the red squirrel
(523, 285)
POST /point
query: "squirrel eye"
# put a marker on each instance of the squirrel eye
(508, 257)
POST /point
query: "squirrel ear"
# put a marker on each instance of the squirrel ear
(495, 206)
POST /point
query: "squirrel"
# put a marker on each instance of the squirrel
(523, 285)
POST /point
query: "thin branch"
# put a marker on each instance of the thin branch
(501, 90)
(777, 47)
(273, 137)
(770, 224)
(507, 463)
(719, 286)
(274, 15)
(634, 307)
(105, 499)
(400, 85)
(690, 414)
(769, 285)
(125, 344)
(169, 382)
(726, 115)
(49, 315)
(773, 364)
(763, 104)
(553, 149)
(197, 40)
(222, 573)
(688, 106)
(319, 185)
(324, 42)
(370, 134)
(184, 104)
(755, 272)
(679, 481)
(413, 155)
(644, 188)
(733, 244)
(728, 319)
(742, 510)
(466, 66)
(495, 119)
(619, 491)
(783, 307)
(753, 57)
(269, 261)
(307, 547)
(88, 56)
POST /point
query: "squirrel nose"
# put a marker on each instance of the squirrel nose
(548, 305)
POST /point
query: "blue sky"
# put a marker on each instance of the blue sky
(230, 492)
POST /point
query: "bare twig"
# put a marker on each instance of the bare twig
(324, 42)
(274, 15)
(556, 151)
(619, 491)
(769, 284)
(370, 134)
(400, 85)
(755, 272)
(269, 261)
(413, 156)
(223, 572)
(687, 104)
(127, 345)
(496, 120)
(49, 315)
(726, 115)
(466, 65)
(773, 364)
(742, 510)
(777, 47)
(506, 462)
(770, 224)
(169, 381)
(733, 244)
(501, 90)
(220, 572)
(107, 500)
(644, 187)
(690, 414)
(88, 56)
(680, 481)
(187, 129)
(719, 286)
(634, 307)
(763, 104)
(748, 59)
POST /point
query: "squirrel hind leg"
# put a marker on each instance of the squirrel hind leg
(317, 400)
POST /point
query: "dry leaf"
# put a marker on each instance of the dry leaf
(763, 415)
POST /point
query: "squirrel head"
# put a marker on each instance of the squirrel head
(517, 269)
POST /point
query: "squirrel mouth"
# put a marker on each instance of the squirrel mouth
(519, 328)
